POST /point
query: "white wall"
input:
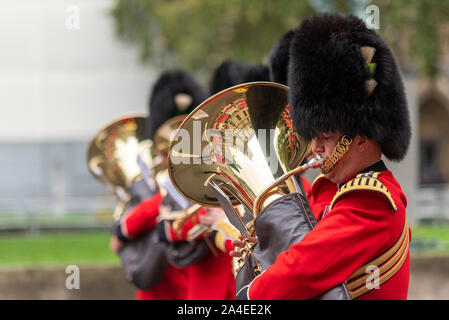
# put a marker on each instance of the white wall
(60, 84)
(406, 171)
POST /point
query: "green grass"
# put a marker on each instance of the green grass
(430, 239)
(92, 248)
(432, 233)
(57, 249)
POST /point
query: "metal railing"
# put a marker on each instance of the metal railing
(33, 215)
(433, 202)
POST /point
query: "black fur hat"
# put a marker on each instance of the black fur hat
(332, 87)
(167, 88)
(231, 73)
(279, 58)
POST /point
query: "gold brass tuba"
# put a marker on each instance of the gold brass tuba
(241, 140)
(114, 154)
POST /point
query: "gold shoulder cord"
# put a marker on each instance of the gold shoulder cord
(388, 264)
(391, 261)
(339, 151)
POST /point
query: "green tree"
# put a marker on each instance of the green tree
(199, 34)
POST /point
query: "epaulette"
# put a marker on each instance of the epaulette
(223, 230)
(317, 178)
(227, 229)
(365, 181)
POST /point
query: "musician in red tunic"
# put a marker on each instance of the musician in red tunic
(175, 93)
(191, 282)
(141, 219)
(346, 93)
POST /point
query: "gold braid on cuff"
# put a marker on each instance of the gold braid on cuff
(339, 151)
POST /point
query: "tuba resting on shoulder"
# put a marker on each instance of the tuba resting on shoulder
(237, 148)
(241, 140)
(121, 157)
(240, 147)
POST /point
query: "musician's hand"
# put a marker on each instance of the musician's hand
(240, 243)
(115, 244)
(212, 216)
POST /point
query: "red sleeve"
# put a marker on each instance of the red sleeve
(221, 242)
(141, 218)
(356, 230)
(173, 236)
(228, 246)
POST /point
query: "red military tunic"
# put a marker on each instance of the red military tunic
(210, 278)
(360, 227)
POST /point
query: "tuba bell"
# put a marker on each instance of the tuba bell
(239, 146)
(162, 139)
(116, 156)
(230, 134)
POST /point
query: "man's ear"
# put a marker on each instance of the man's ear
(361, 143)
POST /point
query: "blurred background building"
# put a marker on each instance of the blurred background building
(59, 85)
(68, 67)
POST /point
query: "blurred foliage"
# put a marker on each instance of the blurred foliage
(430, 239)
(199, 34)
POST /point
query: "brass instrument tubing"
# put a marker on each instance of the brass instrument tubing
(314, 163)
(190, 212)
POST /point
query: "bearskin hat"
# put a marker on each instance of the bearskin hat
(339, 83)
(231, 73)
(279, 58)
(164, 105)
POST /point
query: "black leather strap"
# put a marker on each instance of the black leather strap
(242, 294)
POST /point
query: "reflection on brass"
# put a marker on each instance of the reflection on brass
(162, 137)
(112, 154)
(179, 222)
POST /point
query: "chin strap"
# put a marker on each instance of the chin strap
(339, 151)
